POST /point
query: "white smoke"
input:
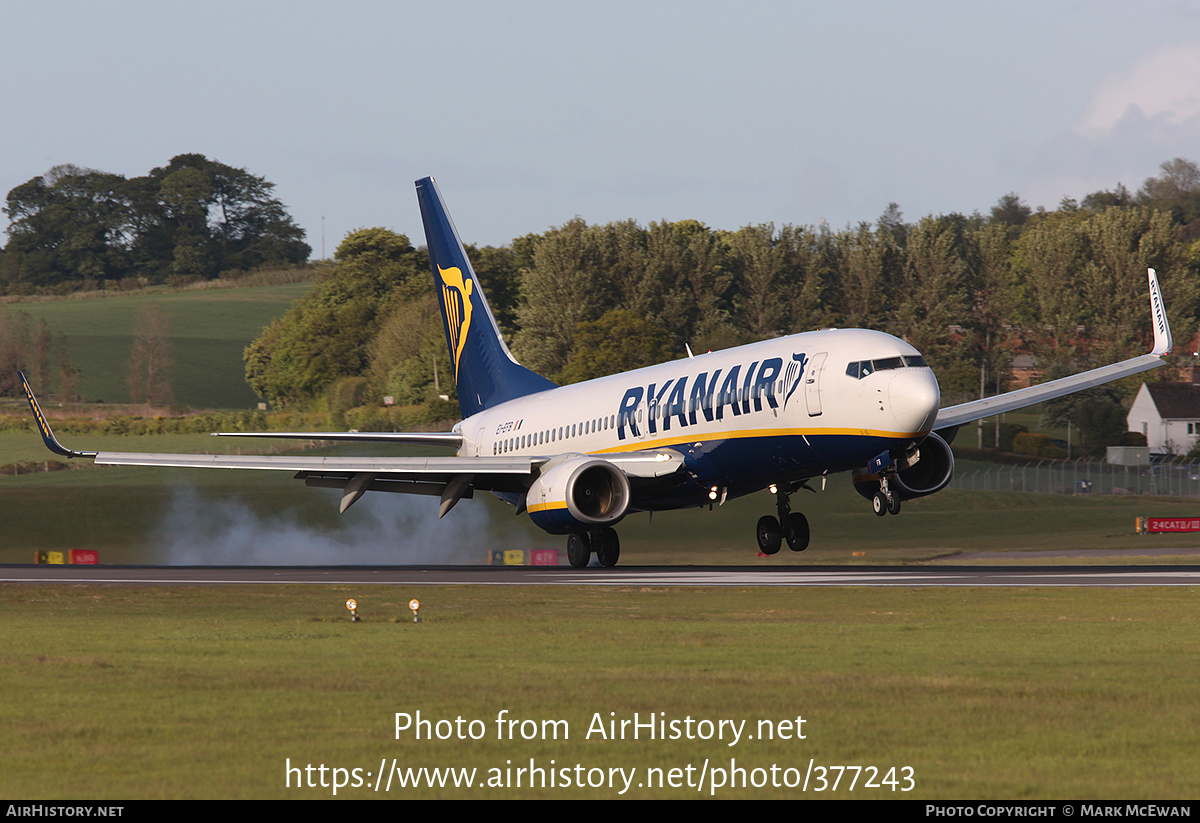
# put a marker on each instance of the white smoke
(381, 529)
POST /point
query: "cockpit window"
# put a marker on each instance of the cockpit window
(864, 368)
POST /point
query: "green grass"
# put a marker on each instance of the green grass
(205, 691)
(129, 514)
(209, 331)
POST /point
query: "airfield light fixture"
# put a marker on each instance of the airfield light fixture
(352, 605)
(415, 605)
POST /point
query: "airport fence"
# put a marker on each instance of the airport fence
(1084, 476)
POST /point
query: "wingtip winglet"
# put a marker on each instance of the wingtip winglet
(44, 427)
(1158, 317)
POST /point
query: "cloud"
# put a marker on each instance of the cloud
(1135, 118)
(1159, 92)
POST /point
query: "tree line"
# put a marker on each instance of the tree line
(580, 301)
(75, 228)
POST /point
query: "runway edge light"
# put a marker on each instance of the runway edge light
(352, 605)
(415, 605)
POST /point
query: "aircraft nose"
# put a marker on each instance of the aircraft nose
(915, 397)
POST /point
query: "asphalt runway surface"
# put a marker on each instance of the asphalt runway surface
(622, 576)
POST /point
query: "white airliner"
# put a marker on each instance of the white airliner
(692, 432)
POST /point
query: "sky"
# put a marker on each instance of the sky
(530, 113)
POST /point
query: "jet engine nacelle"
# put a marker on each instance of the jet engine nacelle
(578, 495)
(924, 472)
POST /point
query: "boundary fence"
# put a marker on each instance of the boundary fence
(1084, 476)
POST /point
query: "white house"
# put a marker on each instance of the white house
(1168, 414)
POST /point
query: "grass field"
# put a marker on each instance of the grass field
(209, 331)
(199, 691)
(190, 691)
(147, 515)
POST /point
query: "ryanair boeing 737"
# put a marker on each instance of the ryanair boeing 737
(697, 431)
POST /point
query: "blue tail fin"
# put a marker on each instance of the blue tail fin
(485, 372)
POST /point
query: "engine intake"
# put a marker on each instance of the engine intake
(578, 494)
(930, 472)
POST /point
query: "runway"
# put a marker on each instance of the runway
(625, 576)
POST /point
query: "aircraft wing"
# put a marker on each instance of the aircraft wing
(955, 416)
(451, 439)
(451, 478)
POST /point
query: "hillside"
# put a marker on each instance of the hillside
(209, 331)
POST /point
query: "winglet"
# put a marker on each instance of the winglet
(47, 436)
(1158, 315)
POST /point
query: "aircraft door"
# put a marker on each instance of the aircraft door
(812, 385)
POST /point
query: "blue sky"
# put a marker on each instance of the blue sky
(529, 113)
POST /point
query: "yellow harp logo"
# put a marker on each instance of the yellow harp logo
(456, 297)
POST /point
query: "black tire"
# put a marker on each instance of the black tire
(894, 504)
(797, 533)
(579, 549)
(608, 547)
(770, 536)
(879, 503)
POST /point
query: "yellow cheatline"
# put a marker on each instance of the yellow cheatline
(697, 437)
(538, 507)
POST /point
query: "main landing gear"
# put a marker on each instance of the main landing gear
(604, 542)
(790, 526)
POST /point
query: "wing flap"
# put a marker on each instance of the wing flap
(450, 439)
(415, 466)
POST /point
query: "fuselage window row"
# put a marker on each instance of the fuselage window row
(545, 436)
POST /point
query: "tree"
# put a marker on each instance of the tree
(859, 259)
(1176, 190)
(565, 286)
(194, 217)
(932, 294)
(1180, 180)
(70, 223)
(327, 333)
(68, 375)
(618, 341)
(150, 359)
(1010, 211)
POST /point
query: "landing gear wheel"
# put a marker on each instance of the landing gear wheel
(608, 546)
(893, 505)
(879, 503)
(797, 532)
(770, 536)
(579, 549)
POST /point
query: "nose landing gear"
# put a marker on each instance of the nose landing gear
(885, 500)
